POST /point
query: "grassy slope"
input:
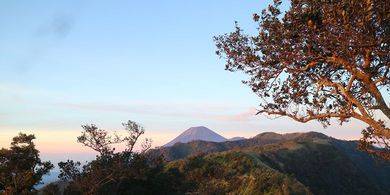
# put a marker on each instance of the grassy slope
(234, 173)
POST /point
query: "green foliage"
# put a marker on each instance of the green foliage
(20, 166)
(126, 172)
(122, 173)
(270, 163)
(318, 165)
(234, 173)
(322, 164)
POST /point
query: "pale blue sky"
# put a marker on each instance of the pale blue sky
(67, 63)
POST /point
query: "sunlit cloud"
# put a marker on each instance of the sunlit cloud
(247, 115)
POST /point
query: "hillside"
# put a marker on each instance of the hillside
(233, 173)
(324, 165)
(236, 138)
(269, 163)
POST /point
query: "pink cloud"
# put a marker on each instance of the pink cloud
(239, 117)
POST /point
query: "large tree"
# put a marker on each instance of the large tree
(321, 59)
(20, 166)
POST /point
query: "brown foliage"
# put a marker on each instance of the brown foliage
(322, 59)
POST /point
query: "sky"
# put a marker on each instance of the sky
(68, 63)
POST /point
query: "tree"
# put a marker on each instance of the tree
(51, 189)
(20, 166)
(319, 60)
(126, 172)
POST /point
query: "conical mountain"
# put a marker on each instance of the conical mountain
(197, 133)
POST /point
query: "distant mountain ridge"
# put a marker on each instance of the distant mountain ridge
(199, 133)
(236, 138)
(179, 149)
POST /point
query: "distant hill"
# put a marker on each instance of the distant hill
(197, 133)
(236, 138)
(324, 165)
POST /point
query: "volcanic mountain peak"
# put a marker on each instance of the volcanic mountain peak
(197, 133)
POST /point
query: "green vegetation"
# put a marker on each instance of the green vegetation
(126, 172)
(322, 164)
(234, 173)
(270, 163)
(20, 166)
(130, 172)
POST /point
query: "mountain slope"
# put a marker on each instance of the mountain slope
(323, 164)
(233, 173)
(197, 133)
(319, 165)
(236, 138)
